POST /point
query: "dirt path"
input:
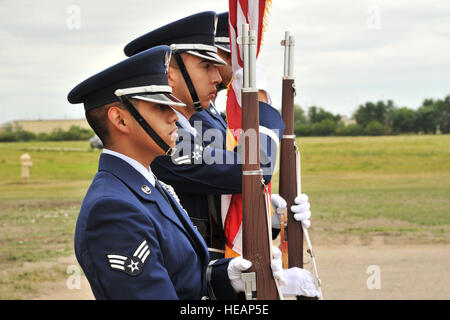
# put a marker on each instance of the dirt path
(405, 272)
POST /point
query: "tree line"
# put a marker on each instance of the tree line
(372, 119)
(380, 118)
(15, 133)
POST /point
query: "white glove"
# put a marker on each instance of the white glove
(277, 266)
(293, 281)
(300, 282)
(277, 203)
(234, 270)
(239, 264)
(301, 210)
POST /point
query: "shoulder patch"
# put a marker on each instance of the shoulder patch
(182, 160)
(197, 153)
(133, 265)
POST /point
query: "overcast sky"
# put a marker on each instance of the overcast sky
(347, 52)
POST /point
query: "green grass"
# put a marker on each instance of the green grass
(400, 180)
(37, 218)
(22, 283)
(36, 231)
(397, 187)
(381, 155)
(54, 165)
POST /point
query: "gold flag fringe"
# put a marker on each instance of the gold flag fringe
(265, 23)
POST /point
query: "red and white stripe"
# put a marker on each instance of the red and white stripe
(252, 13)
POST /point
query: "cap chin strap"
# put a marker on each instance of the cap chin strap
(147, 128)
(221, 87)
(189, 84)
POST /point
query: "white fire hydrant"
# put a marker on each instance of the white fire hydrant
(25, 160)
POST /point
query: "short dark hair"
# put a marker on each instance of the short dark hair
(173, 62)
(98, 120)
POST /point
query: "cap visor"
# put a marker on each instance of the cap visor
(161, 98)
(208, 55)
(223, 46)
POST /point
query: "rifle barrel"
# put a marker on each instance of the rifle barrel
(255, 231)
(288, 187)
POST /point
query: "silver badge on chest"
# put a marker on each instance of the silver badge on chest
(146, 189)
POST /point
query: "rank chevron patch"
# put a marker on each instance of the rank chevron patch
(183, 160)
(196, 154)
(132, 266)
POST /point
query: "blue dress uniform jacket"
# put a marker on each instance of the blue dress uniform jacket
(195, 168)
(133, 244)
(208, 119)
(211, 119)
(195, 174)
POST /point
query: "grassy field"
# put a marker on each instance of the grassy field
(37, 218)
(396, 187)
(361, 189)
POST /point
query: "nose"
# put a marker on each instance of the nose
(216, 78)
(172, 116)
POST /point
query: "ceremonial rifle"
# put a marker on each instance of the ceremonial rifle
(290, 180)
(256, 231)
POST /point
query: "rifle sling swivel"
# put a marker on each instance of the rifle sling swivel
(252, 172)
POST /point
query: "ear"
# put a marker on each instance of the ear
(262, 96)
(118, 119)
(172, 76)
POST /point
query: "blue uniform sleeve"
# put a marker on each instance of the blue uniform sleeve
(198, 178)
(199, 169)
(219, 286)
(122, 254)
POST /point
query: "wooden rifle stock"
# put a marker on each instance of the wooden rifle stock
(289, 184)
(288, 177)
(256, 239)
(288, 167)
(255, 235)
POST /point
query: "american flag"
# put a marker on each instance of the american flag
(252, 12)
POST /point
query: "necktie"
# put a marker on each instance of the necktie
(183, 220)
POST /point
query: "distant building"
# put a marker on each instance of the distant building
(46, 126)
(346, 121)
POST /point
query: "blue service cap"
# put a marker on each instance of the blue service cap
(222, 39)
(143, 77)
(193, 34)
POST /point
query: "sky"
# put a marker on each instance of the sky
(347, 52)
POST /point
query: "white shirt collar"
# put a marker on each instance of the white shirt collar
(214, 109)
(147, 173)
(185, 123)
